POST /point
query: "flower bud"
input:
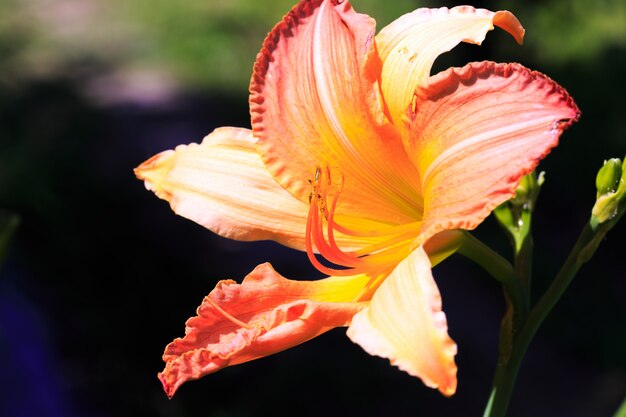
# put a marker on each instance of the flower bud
(609, 176)
(611, 186)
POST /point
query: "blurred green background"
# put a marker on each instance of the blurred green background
(99, 275)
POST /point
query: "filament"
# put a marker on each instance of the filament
(322, 206)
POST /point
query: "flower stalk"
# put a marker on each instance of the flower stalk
(526, 326)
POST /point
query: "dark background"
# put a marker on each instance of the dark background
(100, 275)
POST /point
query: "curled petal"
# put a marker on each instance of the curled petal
(410, 44)
(265, 314)
(404, 323)
(313, 105)
(475, 132)
(223, 185)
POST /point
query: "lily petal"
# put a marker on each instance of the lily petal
(409, 45)
(223, 185)
(405, 324)
(313, 105)
(475, 132)
(265, 314)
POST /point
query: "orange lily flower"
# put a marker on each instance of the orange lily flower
(358, 156)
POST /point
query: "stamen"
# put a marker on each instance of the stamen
(315, 231)
(355, 262)
(329, 249)
(309, 248)
(348, 258)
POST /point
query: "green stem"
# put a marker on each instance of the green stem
(497, 266)
(506, 372)
(503, 271)
(524, 252)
